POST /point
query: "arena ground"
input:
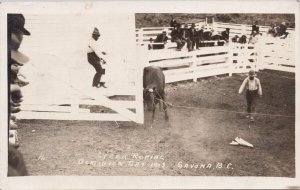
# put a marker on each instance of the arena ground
(194, 143)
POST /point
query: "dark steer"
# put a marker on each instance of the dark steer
(154, 89)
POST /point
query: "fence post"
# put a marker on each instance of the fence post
(140, 36)
(142, 57)
(256, 54)
(74, 104)
(229, 60)
(260, 56)
(244, 29)
(193, 66)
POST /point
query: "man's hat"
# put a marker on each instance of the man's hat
(227, 29)
(164, 32)
(252, 73)
(16, 23)
(96, 32)
(19, 57)
(12, 62)
(193, 25)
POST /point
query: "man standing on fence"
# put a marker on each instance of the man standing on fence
(253, 89)
(95, 58)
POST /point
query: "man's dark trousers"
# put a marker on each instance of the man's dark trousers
(251, 97)
(94, 60)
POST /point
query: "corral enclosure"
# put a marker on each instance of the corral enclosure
(206, 116)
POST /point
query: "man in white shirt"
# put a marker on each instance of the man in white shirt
(95, 58)
(253, 89)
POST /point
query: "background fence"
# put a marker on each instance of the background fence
(268, 53)
(180, 66)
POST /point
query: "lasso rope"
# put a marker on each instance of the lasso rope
(222, 110)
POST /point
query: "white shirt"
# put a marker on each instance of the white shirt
(94, 46)
(252, 85)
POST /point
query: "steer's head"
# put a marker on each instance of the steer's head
(149, 98)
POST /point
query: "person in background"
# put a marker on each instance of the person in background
(253, 38)
(95, 58)
(185, 34)
(177, 36)
(272, 29)
(16, 59)
(242, 39)
(161, 38)
(282, 30)
(199, 38)
(225, 35)
(191, 41)
(173, 23)
(253, 90)
(255, 28)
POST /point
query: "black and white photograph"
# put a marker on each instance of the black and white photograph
(148, 94)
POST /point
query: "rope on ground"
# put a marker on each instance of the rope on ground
(117, 124)
(228, 111)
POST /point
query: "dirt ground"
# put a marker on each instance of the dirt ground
(195, 142)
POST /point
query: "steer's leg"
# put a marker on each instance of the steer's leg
(153, 115)
(165, 108)
(159, 104)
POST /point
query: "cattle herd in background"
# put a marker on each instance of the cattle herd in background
(194, 38)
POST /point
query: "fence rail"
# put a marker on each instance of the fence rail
(268, 53)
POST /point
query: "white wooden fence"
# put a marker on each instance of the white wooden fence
(268, 53)
(61, 78)
(205, 62)
(144, 34)
(181, 66)
(218, 60)
(279, 54)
